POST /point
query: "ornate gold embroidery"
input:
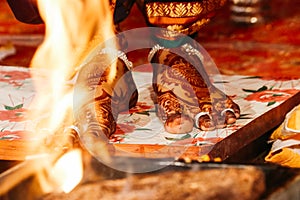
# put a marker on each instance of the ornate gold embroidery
(190, 16)
(176, 30)
(175, 10)
(182, 9)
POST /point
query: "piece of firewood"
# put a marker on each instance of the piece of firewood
(226, 183)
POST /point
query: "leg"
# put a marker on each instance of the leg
(184, 93)
(115, 90)
(186, 96)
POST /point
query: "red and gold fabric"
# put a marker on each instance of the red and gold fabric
(183, 16)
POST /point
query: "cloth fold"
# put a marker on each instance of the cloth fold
(285, 149)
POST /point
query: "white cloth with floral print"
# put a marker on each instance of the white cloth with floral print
(255, 96)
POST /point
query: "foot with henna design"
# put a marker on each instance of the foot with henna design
(185, 97)
(113, 89)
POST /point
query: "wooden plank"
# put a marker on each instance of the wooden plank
(18, 149)
(255, 129)
(161, 151)
(221, 150)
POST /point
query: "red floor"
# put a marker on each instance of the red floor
(270, 50)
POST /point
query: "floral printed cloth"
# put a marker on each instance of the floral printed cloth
(255, 96)
(17, 93)
(140, 125)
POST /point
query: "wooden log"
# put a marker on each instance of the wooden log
(230, 183)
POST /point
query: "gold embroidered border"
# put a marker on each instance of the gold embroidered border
(173, 31)
(173, 9)
(182, 9)
(195, 27)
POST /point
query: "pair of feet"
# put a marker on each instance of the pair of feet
(184, 96)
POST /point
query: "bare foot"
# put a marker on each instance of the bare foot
(115, 90)
(186, 97)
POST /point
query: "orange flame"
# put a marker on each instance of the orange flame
(68, 171)
(74, 28)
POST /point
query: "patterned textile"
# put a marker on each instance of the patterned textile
(182, 16)
(141, 125)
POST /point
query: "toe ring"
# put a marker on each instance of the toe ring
(225, 110)
(200, 114)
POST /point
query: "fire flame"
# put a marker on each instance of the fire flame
(73, 29)
(67, 171)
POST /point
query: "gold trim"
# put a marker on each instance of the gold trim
(195, 27)
(181, 17)
(170, 20)
(175, 10)
(182, 9)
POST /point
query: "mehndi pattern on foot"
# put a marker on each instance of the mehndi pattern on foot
(113, 86)
(185, 97)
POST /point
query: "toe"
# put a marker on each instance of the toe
(230, 117)
(233, 107)
(178, 124)
(204, 122)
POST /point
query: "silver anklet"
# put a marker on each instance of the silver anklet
(120, 54)
(190, 50)
(153, 51)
